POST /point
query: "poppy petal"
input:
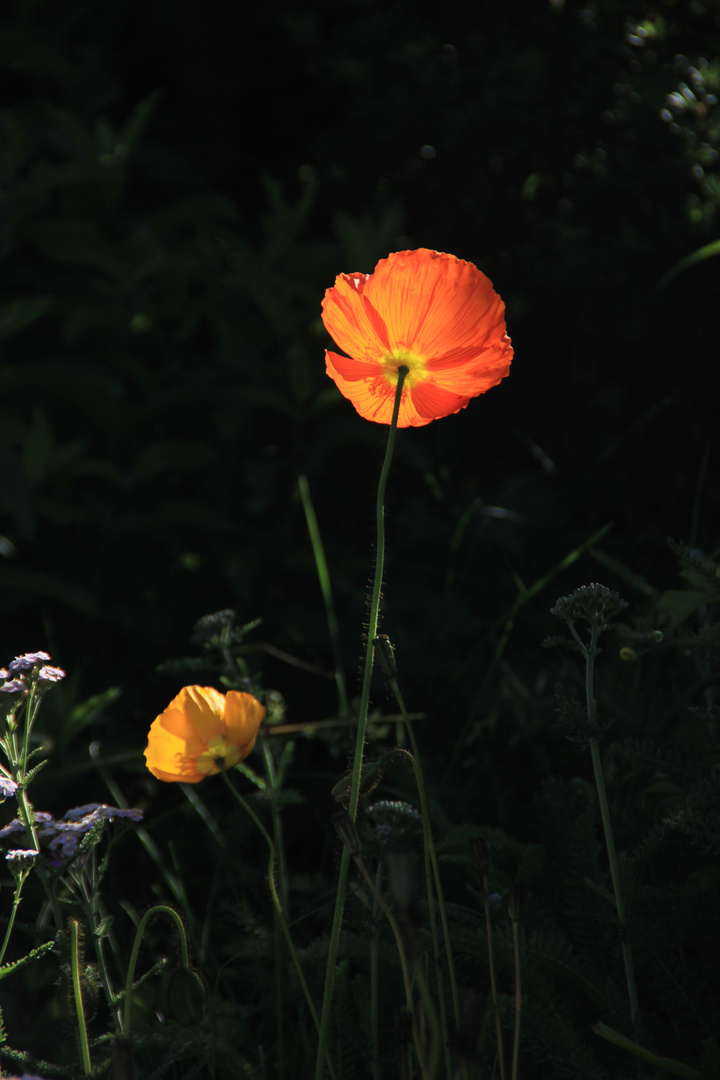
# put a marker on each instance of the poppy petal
(352, 322)
(201, 708)
(372, 396)
(432, 302)
(176, 728)
(243, 717)
(432, 402)
(170, 756)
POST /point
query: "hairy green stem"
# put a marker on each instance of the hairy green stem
(77, 993)
(360, 741)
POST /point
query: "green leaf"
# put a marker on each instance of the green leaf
(700, 255)
(7, 969)
(668, 1064)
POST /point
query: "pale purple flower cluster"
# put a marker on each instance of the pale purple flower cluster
(64, 836)
(27, 662)
(7, 787)
(48, 674)
(22, 858)
(13, 687)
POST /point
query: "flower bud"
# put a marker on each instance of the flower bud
(480, 853)
(385, 653)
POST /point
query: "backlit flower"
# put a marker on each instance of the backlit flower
(202, 732)
(437, 315)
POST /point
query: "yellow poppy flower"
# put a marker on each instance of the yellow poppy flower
(202, 732)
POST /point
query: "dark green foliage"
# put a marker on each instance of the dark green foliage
(175, 197)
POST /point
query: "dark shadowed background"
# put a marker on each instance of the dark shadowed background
(179, 184)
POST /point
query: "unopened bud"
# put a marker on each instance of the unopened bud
(385, 655)
(480, 855)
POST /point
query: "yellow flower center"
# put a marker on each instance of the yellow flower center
(396, 358)
(218, 756)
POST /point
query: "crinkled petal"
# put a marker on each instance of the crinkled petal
(352, 322)
(441, 309)
(436, 304)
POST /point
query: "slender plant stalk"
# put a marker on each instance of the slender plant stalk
(87, 882)
(481, 859)
(514, 904)
(77, 992)
(15, 905)
(277, 834)
(348, 834)
(590, 653)
(18, 764)
(615, 875)
(374, 1012)
(360, 741)
(326, 589)
(433, 1056)
(431, 862)
(165, 909)
(278, 906)
(360, 863)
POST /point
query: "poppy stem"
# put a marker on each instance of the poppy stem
(362, 725)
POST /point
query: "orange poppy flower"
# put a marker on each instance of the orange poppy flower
(202, 732)
(437, 315)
